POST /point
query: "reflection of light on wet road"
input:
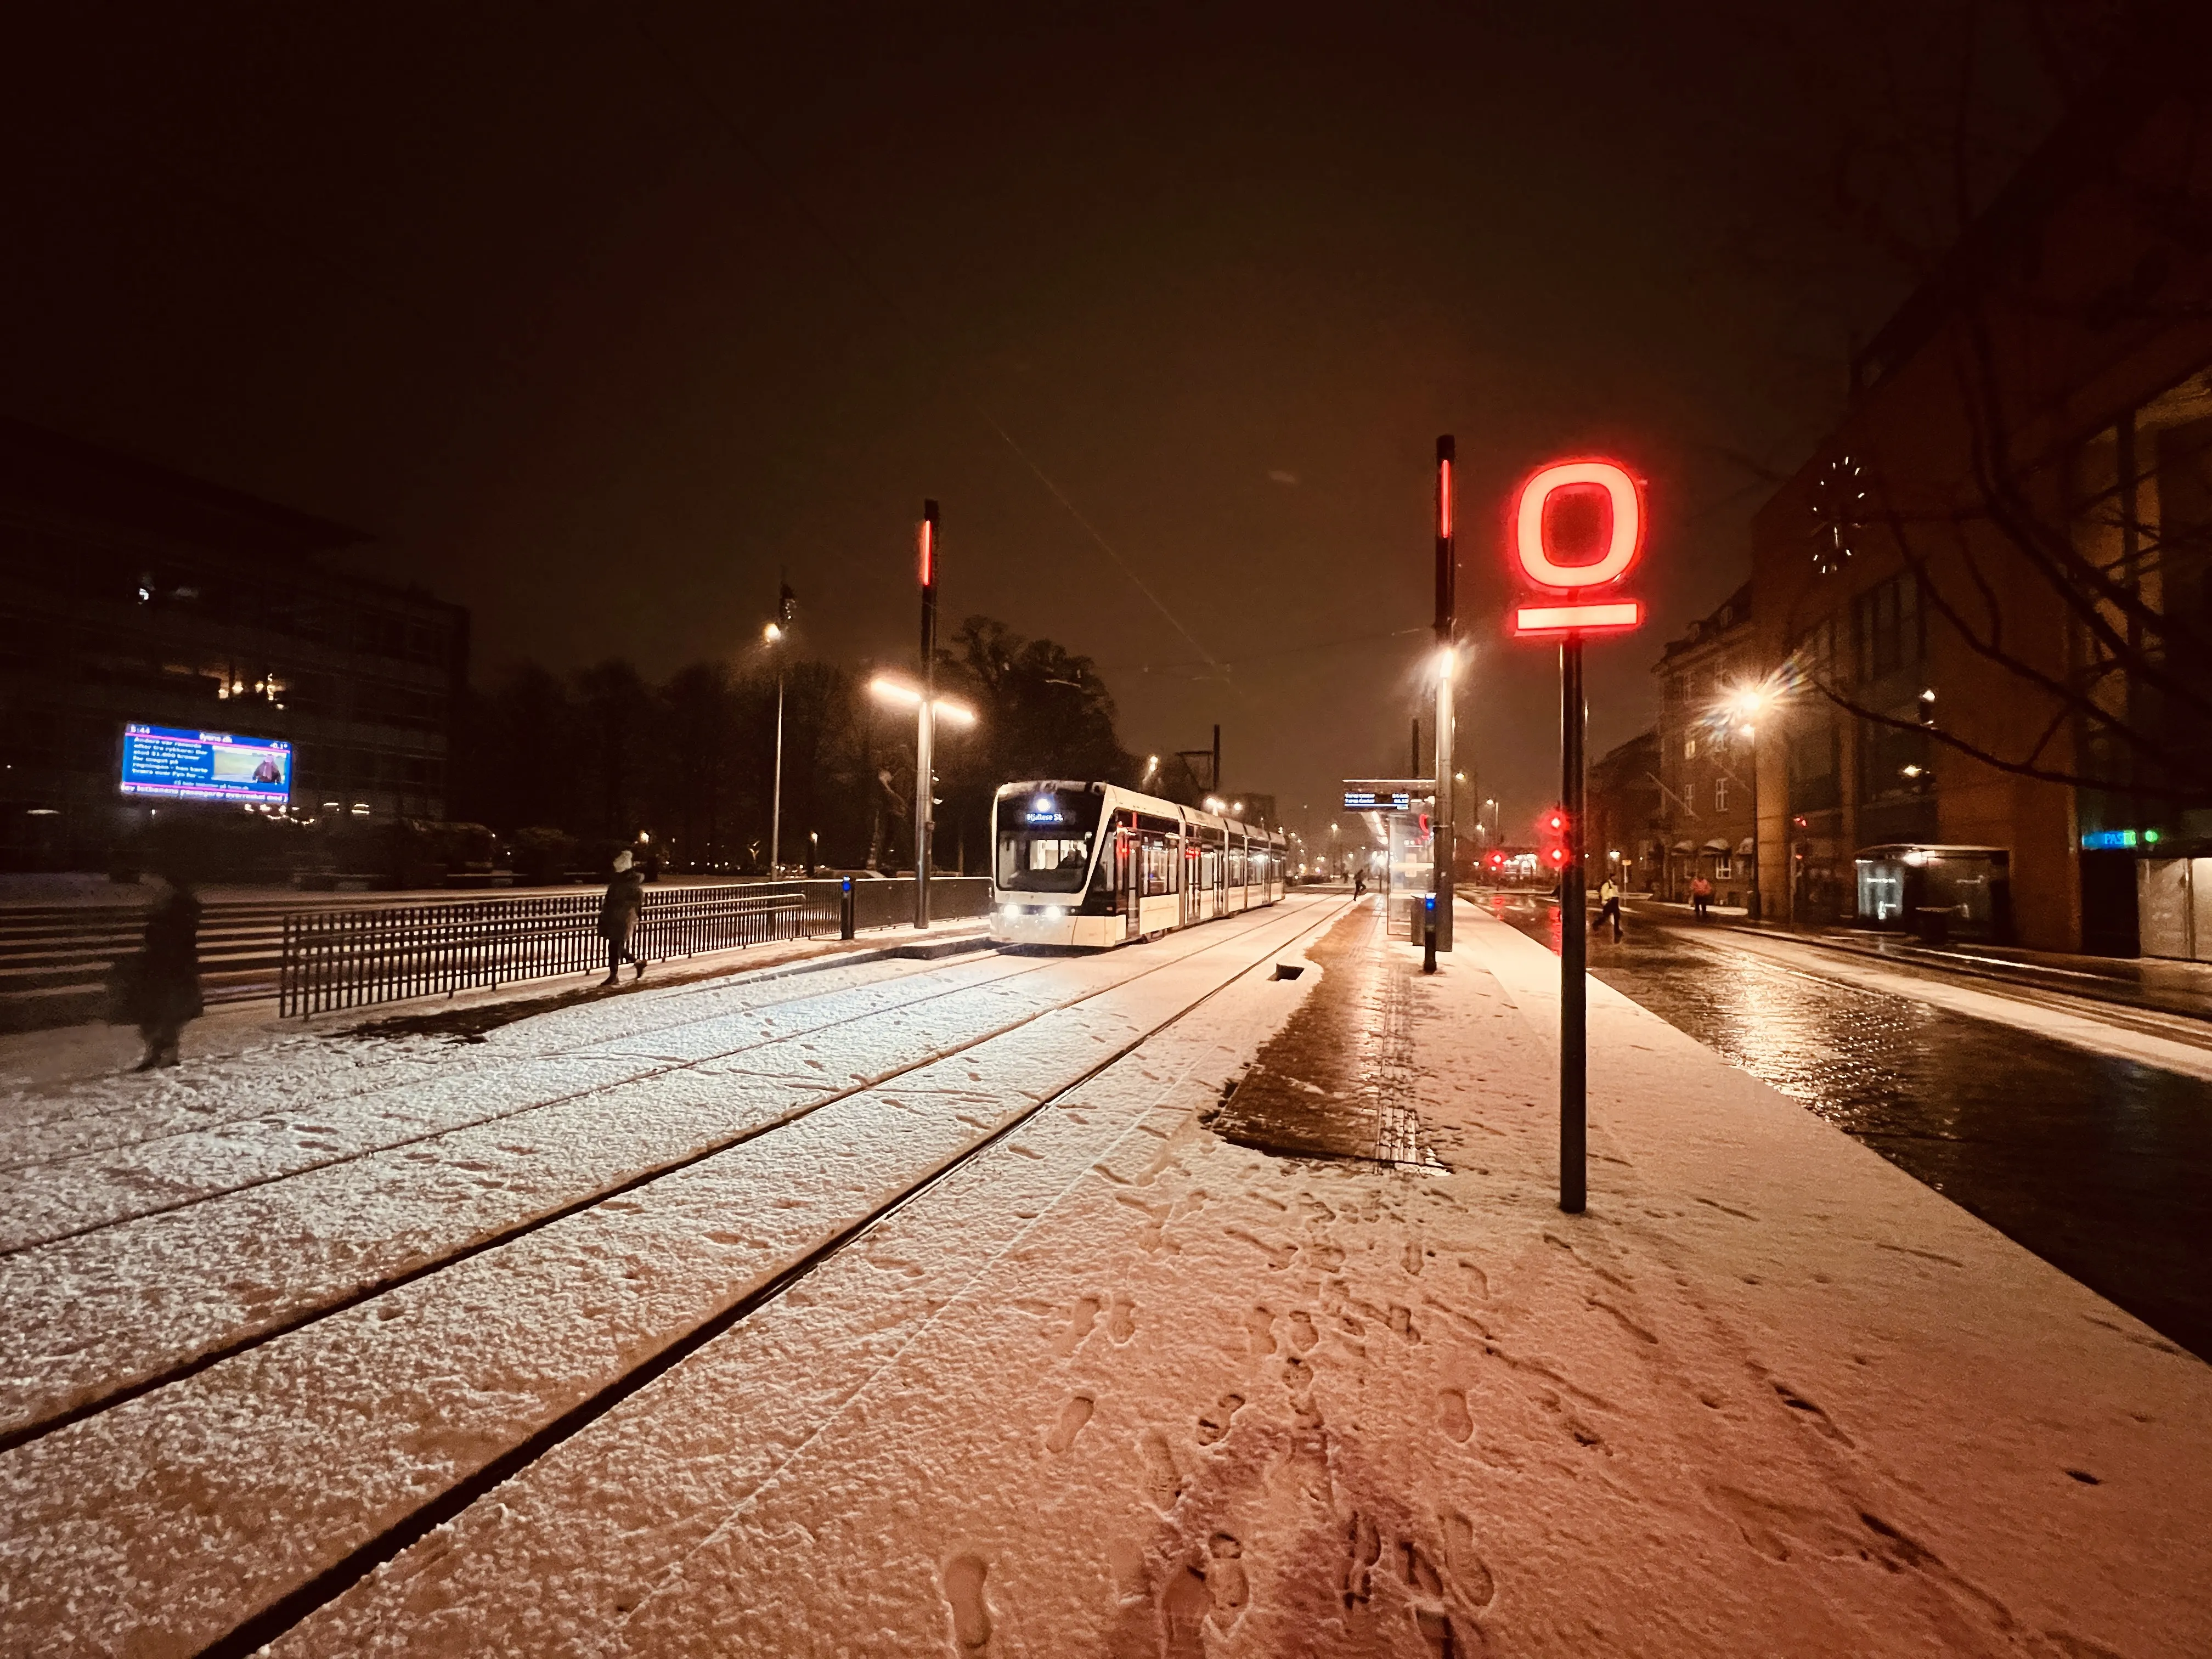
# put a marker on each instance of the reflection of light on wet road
(2101, 1166)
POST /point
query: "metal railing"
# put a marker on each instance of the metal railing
(349, 958)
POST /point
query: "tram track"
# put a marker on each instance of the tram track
(271, 1623)
(312, 1313)
(505, 1066)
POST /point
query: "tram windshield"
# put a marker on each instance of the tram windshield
(1045, 842)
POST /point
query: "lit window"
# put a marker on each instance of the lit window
(1720, 794)
(1689, 749)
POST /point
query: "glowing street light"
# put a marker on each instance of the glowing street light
(899, 691)
(775, 633)
(1744, 706)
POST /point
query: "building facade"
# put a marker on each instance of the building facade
(1626, 817)
(1986, 600)
(130, 594)
(1705, 756)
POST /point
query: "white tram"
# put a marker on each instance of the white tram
(1094, 864)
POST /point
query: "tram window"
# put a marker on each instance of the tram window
(1160, 861)
(1046, 857)
(1043, 863)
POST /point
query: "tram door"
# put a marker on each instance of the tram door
(1187, 867)
(1128, 886)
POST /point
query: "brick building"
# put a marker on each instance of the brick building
(1626, 816)
(1985, 595)
(1704, 763)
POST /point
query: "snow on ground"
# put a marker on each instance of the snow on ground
(167, 1519)
(1120, 1388)
(385, 1177)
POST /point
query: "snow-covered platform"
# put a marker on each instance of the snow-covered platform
(1109, 1384)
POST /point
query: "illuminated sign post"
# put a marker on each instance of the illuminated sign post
(1437, 920)
(924, 762)
(1573, 600)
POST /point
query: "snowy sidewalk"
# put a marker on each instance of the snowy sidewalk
(1125, 1388)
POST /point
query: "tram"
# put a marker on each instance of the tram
(1097, 865)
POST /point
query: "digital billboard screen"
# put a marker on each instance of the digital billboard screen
(184, 763)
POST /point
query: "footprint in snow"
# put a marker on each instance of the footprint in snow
(1073, 1416)
(1452, 1415)
(1302, 1334)
(1364, 1548)
(1078, 1327)
(1162, 1483)
(1121, 1319)
(1213, 1426)
(962, 1581)
(1226, 1579)
(1470, 1575)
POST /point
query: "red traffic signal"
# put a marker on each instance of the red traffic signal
(1552, 836)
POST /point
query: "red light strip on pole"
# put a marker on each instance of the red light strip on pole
(928, 556)
(1443, 497)
(1577, 618)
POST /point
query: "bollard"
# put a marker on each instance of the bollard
(1428, 933)
(845, 908)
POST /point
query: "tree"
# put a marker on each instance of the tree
(2079, 568)
(1042, 712)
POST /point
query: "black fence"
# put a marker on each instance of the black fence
(349, 958)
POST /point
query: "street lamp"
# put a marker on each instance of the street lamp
(775, 633)
(1747, 705)
(928, 711)
(1152, 767)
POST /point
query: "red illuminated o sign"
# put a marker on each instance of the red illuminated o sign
(1570, 611)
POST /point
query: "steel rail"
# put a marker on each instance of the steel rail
(38, 1428)
(282, 1615)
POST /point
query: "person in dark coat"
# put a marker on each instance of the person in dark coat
(618, 915)
(165, 990)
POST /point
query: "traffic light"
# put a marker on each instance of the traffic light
(1552, 838)
(1496, 861)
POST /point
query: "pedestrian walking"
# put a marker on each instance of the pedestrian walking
(159, 989)
(1608, 899)
(1701, 896)
(1359, 883)
(618, 916)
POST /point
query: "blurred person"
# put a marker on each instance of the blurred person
(162, 982)
(618, 917)
(1701, 896)
(1608, 899)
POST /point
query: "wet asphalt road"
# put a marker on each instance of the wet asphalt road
(2102, 1167)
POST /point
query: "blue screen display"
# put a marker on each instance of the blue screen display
(184, 764)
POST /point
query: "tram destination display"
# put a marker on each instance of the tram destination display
(180, 763)
(1387, 794)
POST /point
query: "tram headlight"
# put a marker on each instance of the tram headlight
(1054, 913)
(1010, 911)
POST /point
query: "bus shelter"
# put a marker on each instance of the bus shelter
(1399, 813)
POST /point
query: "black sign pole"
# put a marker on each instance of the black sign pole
(1574, 940)
(1442, 830)
(926, 717)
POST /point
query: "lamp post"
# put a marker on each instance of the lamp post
(928, 710)
(1442, 844)
(775, 634)
(1747, 705)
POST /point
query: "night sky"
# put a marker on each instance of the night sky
(594, 318)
